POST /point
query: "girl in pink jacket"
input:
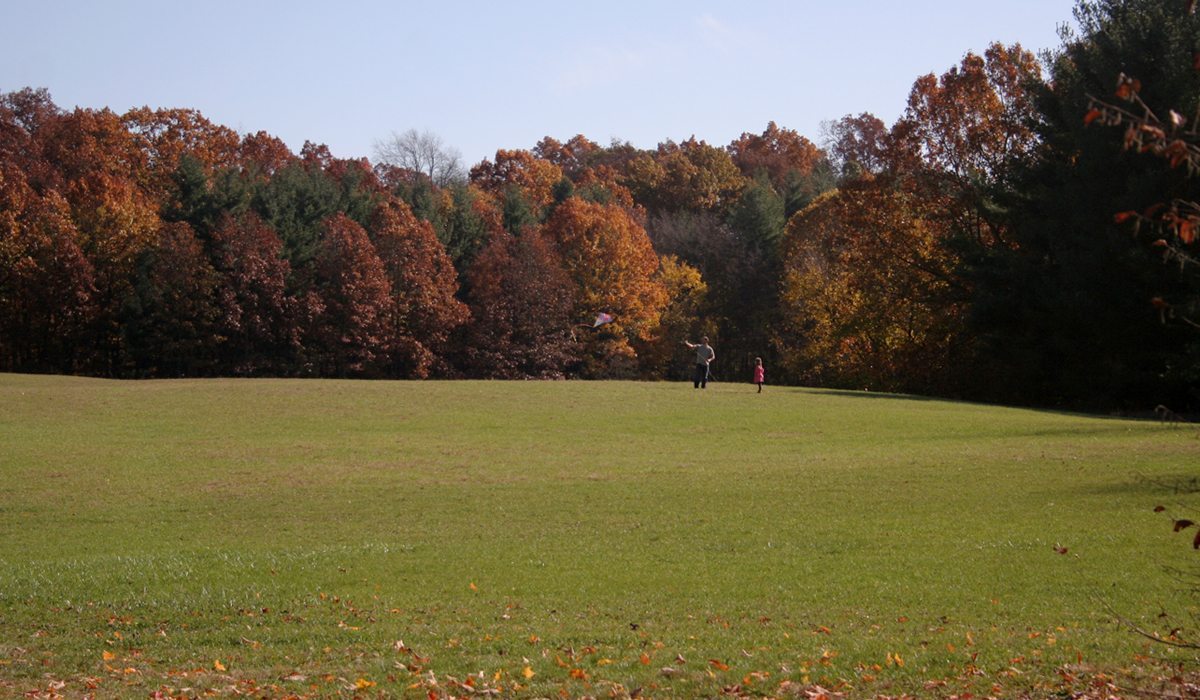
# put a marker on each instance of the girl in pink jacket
(758, 373)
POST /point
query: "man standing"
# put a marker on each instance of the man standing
(704, 355)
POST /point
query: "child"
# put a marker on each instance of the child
(758, 373)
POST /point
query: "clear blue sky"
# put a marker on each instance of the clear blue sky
(490, 74)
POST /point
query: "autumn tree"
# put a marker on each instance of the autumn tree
(97, 168)
(260, 323)
(422, 310)
(691, 175)
(351, 333)
(868, 297)
(886, 305)
(613, 266)
(26, 116)
(795, 167)
(262, 155)
(167, 135)
(978, 116)
(523, 307)
(682, 317)
(574, 157)
(46, 283)
(535, 178)
(862, 144)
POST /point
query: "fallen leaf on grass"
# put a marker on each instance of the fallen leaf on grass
(528, 673)
(718, 664)
(218, 666)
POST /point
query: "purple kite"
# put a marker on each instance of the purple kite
(601, 319)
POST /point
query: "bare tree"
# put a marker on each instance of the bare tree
(422, 152)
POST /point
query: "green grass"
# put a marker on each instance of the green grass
(293, 533)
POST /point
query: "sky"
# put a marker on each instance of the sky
(502, 75)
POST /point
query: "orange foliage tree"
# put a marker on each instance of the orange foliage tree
(610, 259)
(99, 166)
(977, 116)
(691, 175)
(534, 177)
(165, 135)
(776, 152)
(872, 291)
(686, 294)
(573, 157)
(868, 298)
(46, 283)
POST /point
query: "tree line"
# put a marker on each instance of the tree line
(968, 250)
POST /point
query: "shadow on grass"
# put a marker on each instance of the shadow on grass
(1161, 485)
(863, 394)
(1174, 484)
(1168, 419)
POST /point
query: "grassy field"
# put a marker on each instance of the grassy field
(535, 539)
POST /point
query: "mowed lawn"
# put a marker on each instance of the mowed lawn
(325, 538)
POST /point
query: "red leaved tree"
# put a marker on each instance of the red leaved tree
(781, 154)
(46, 283)
(522, 304)
(423, 310)
(351, 334)
(260, 323)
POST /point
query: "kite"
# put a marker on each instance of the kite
(601, 319)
